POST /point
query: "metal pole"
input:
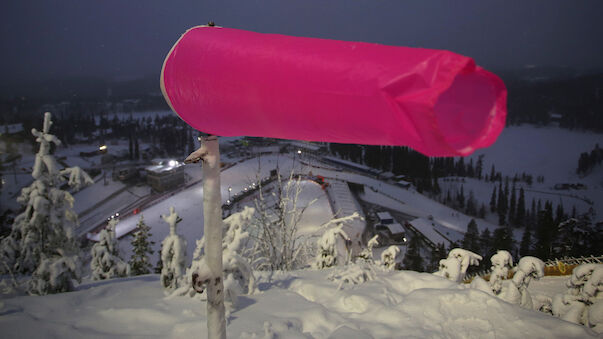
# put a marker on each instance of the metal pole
(212, 220)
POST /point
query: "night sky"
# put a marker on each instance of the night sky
(129, 38)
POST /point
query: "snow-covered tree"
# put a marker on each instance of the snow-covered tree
(275, 225)
(331, 244)
(139, 263)
(515, 290)
(55, 275)
(367, 253)
(583, 301)
(353, 273)
(236, 265)
(501, 263)
(412, 258)
(173, 253)
(42, 235)
(106, 262)
(389, 257)
(455, 266)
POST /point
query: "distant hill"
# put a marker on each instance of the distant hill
(537, 94)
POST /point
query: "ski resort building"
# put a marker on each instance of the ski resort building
(165, 175)
(390, 226)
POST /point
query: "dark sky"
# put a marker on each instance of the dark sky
(129, 38)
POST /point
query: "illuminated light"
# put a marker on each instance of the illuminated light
(404, 239)
(229, 189)
(228, 202)
(245, 189)
(103, 148)
(173, 163)
(298, 151)
(198, 138)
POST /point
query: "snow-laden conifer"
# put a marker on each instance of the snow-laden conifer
(235, 263)
(55, 275)
(515, 290)
(501, 263)
(389, 257)
(455, 266)
(173, 253)
(140, 262)
(367, 253)
(42, 235)
(583, 301)
(333, 245)
(106, 262)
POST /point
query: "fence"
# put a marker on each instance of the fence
(552, 267)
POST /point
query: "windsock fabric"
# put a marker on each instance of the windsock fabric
(231, 82)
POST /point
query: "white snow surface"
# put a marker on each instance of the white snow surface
(298, 304)
(189, 205)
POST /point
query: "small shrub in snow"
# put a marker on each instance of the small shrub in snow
(389, 257)
(501, 263)
(173, 253)
(235, 264)
(327, 253)
(106, 262)
(454, 267)
(275, 225)
(583, 301)
(139, 263)
(515, 290)
(354, 273)
(55, 275)
(367, 253)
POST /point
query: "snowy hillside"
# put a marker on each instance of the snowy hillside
(551, 152)
(299, 304)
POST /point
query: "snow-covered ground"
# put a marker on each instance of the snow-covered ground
(189, 205)
(300, 304)
(305, 303)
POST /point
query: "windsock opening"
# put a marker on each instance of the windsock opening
(466, 113)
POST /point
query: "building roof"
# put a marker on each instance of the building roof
(395, 228)
(384, 215)
(164, 166)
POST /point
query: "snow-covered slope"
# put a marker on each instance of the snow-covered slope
(300, 304)
(189, 205)
(549, 151)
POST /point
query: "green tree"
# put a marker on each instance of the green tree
(545, 232)
(471, 239)
(503, 239)
(413, 260)
(512, 206)
(493, 201)
(520, 215)
(437, 254)
(501, 206)
(525, 247)
(140, 263)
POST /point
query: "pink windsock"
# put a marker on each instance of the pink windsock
(231, 82)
